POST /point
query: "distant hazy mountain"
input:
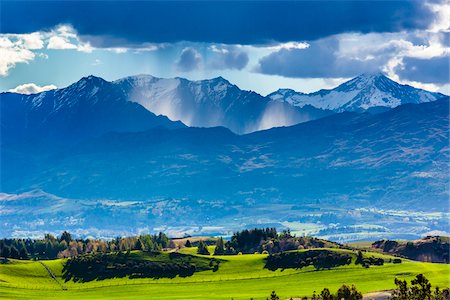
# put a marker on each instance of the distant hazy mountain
(367, 91)
(87, 108)
(214, 102)
(397, 159)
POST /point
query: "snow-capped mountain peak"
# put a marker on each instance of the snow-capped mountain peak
(287, 95)
(363, 92)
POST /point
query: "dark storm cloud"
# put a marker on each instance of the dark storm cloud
(431, 70)
(320, 60)
(189, 60)
(229, 58)
(124, 24)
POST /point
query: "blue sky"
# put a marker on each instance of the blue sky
(261, 46)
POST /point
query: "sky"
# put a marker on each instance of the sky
(257, 45)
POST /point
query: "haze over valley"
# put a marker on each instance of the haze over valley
(366, 160)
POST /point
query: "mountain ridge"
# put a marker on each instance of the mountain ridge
(87, 108)
(364, 92)
(374, 159)
(212, 102)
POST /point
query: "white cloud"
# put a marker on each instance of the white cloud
(32, 41)
(442, 16)
(289, 46)
(13, 52)
(65, 37)
(58, 42)
(21, 48)
(31, 88)
(217, 49)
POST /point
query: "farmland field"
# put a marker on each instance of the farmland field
(238, 277)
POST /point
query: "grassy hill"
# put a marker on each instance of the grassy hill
(238, 277)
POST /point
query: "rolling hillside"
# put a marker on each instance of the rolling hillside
(238, 277)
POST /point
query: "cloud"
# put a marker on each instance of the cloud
(441, 22)
(289, 46)
(57, 42)
(401, 55)
(227, 57)
(434, 70)
(189, 60)
(31, 88)
(242, 22)
(320, 60)
(14, 51)
(21, 48)
(31, 41)
(65, 37)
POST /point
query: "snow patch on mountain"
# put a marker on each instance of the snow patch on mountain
(360, 93)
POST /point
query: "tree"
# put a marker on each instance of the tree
(50, 249)
(326, 294)
(163, 240)
(66, 236)
(188, 244)
(220, 247)
(14, 253)
(23, 253)
(401, 292)
(421, 288)
(6, 251)
(274, 296)
(138, 245)
(49, 237)
(355, 294)
(359, 258)
(202, 248)
(348, 293)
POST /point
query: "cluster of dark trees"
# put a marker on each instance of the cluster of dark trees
(320, 259)
(202, 248)
(51, 247)
(344, 292)
(369, 261)
(267, 240)
(99, 266)
(420, 289)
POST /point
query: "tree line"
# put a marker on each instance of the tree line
(51, 247)
(265, 240)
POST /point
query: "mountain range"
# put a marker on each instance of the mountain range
(142, 102)
(94, 149)
(365, 92)
(88, 108)
(214, 102)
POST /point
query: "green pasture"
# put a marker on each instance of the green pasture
(238, 277)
